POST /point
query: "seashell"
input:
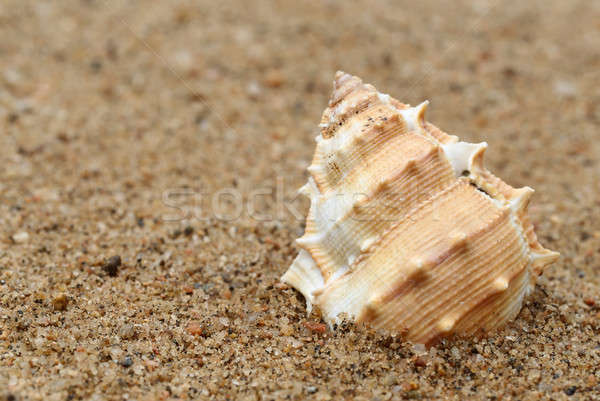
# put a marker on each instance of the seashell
(407, 230)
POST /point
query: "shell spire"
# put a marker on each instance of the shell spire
(407, 230)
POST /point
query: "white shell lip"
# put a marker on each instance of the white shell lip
(462, 154)
(374, 271)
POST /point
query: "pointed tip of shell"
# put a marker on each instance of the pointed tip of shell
(339, 78)
(339, 74)
(343, 83)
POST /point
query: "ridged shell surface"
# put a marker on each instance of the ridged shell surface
(407, 230)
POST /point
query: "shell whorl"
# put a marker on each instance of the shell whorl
(407, 230)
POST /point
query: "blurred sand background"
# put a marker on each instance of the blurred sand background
(115, 115)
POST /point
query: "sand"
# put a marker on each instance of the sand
(121, 122)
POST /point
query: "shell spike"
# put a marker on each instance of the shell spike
(500, 284)
(309, 189)
(520, 200)
(419, 269)
(372, 308)
(305, 190)
(313, 168)
(539, 259)
(415, 116)
(464, 156)
(458, 239)
(420, 112)
(476, 162)
(446, 324)
(307, 241)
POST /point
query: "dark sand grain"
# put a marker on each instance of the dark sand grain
(116, 115)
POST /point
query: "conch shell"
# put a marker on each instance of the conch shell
(407, 230)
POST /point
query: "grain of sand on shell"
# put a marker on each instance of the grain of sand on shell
(112, 113)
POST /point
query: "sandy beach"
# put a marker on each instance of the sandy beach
(150, 156)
